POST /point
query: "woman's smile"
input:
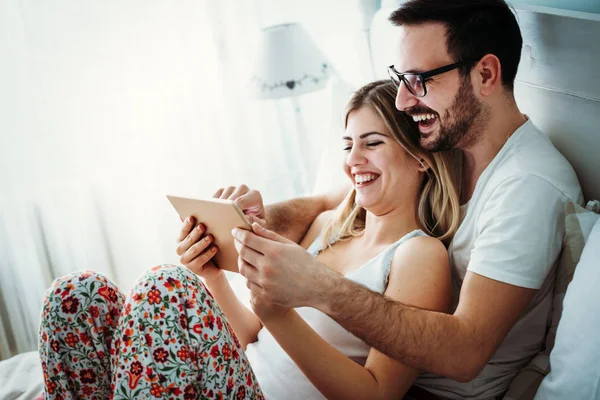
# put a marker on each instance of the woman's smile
(364, 179)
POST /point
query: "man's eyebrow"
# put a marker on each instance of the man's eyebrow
(364, 135)
(410, 71)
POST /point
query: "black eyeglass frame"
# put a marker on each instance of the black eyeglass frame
(423, 75)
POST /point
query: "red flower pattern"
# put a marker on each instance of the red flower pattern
(138, 329)
(154, 296)
(70, 305)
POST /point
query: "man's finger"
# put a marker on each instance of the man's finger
(218, 193)
(227, 192)
(247, 254)
(239, 191)
(249, 239)
(256, 290)
(267, 234)
(248, 271)
(250, 201)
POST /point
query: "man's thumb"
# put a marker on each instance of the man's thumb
(260, 231)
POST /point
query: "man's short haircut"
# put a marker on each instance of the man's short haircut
(474, 28)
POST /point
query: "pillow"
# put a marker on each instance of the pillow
(574, 359)
(578, 224)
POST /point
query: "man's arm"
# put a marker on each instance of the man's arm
(457, 346)
(292, 218)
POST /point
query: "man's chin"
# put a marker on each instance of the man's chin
(433, 142)
(430, 142)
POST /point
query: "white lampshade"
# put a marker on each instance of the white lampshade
(288, 63)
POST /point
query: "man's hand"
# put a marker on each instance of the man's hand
(280, 271)
(249, 201)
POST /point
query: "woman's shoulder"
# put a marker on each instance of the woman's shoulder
(421, 254)
(420, 274)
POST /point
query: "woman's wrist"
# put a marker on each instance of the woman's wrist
(215, 280)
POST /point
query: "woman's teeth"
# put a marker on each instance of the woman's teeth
(364, 178)
(422, 117)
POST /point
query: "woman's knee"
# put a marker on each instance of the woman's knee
(167, 280)
(69, 295)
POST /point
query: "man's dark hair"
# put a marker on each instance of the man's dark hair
(474, 28)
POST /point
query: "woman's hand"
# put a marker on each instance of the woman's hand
(196, 250)
(249, 201)
(266, 310)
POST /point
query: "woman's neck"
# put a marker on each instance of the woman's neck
(389, 227)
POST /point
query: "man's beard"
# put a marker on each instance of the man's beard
(467, 118)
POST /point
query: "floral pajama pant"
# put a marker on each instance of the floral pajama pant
(167, 340)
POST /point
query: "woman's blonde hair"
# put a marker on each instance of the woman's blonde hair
(438, 204)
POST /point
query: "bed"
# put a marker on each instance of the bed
(558, 86)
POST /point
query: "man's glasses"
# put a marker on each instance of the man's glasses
(415, 83)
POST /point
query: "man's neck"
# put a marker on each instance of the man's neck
(477, 157)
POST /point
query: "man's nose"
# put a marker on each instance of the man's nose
(404, 98)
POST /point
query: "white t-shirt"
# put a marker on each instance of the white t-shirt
(512, 231)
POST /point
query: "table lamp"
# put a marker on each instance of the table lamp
(289, 64)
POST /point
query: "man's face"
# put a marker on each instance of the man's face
(449, 115)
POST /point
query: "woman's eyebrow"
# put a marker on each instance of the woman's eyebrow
(364, 135)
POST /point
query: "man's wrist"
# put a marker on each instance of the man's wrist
(331, 287)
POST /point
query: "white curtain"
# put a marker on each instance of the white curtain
(106, 106)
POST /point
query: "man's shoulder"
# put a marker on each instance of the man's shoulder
(533, 156)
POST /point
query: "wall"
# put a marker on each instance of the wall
(591, 6)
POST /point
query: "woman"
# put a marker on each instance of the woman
(173, 339)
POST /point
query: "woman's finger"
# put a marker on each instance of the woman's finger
(186, 228)
(198, 263)
(194, 235)
(196, 249)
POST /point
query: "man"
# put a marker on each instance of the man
(455, 67)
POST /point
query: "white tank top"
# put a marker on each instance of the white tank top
(277, 375)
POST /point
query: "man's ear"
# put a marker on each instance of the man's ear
(487, 75)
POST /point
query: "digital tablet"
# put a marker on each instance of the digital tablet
(219, 217)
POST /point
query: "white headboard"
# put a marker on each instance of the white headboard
(558, 83)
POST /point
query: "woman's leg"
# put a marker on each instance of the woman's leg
(79, 315)
(173, 341)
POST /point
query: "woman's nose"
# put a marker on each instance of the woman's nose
(356, 156)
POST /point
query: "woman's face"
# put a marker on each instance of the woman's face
(379, 167)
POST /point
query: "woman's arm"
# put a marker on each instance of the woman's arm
(244, 322)
(426, 284)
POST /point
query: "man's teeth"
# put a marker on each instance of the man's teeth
(422, 117)
(364, 178)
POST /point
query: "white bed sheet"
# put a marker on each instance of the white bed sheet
(21, 377)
